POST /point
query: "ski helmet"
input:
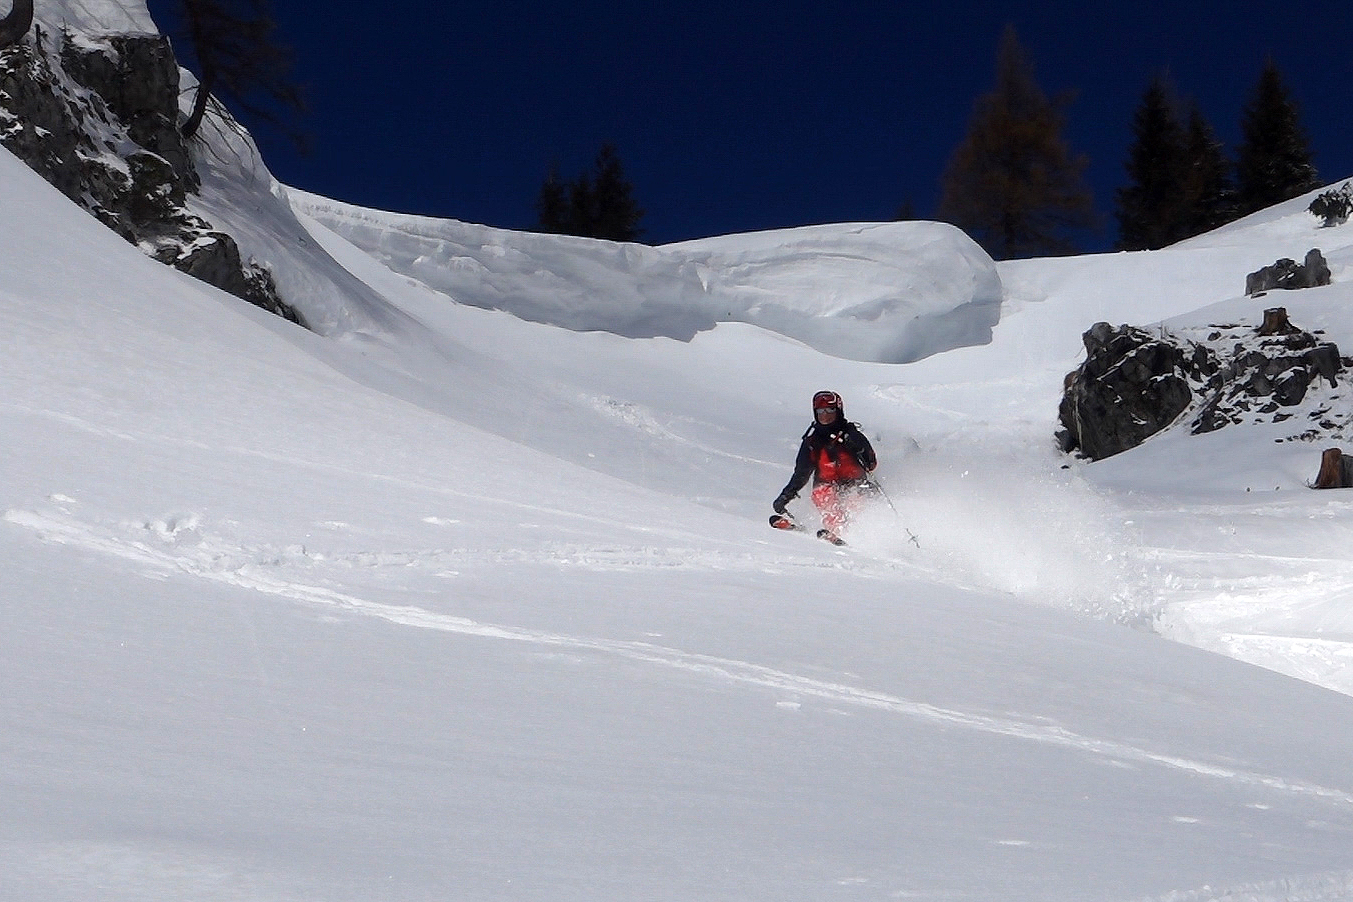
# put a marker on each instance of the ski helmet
(828, 400)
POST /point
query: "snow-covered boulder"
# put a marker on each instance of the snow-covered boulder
(1135, 383)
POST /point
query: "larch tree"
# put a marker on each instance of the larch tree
(236, 58)
(1013, 183)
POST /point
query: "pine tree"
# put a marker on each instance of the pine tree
(1152, 208)
(1274, 163)
(582, 208)
(1012, 183)
(1210, 192)
(617, 215)
(552, 204)
(599, 204)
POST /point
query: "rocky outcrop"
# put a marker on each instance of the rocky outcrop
(1135, 383)
(1263, 377)
(98, 119)
(1289, 275)
(1131, 386)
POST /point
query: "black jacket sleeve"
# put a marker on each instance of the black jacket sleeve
(859, 446)
(803, 468)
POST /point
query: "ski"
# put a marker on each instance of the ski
(828, 536)
(781, 521)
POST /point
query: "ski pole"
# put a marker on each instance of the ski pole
(911, 536)
(872, 480)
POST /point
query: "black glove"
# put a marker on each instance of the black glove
(778, 505)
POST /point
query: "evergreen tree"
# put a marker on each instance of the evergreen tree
(1152, 208)
(599, 204)
(1012, 183)
(1274, 163)
(582, 208)
(1210, 192)
(1180, 183)
(617, 215)
(552, 206)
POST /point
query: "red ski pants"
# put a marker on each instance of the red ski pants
(836, 502)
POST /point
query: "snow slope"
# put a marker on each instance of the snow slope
(449, 604)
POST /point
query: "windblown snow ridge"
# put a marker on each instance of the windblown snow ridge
(898, 291)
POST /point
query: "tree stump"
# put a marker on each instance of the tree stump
(1276, 322)
(1333, 470)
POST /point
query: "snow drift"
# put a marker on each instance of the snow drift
(880, 292)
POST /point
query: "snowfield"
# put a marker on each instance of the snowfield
(469, 594)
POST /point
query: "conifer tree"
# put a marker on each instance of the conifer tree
(616, 214)
(582, 208)
(1151, 209)
(552, 205)
(1208, 188)
(1012, 183)
(1180, 183)
(599, 204)
(1274, 162)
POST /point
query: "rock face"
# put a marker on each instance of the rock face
(1134, 383)
(99, 121)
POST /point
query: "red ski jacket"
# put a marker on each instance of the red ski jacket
(837, 453)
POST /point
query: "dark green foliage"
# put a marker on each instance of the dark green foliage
(599, 204)
(236, 58)
(1151, 207)
(1333, 206)
(1274, 163)
(552, 206)
(1178, 178)
(1208, 188)
(1012, 183)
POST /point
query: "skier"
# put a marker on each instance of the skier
(839, 459)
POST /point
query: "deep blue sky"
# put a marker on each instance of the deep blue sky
(744, 115)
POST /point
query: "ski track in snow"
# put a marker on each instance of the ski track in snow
(242, 571)
(1330, 887)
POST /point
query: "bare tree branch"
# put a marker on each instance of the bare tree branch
(15, 25)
